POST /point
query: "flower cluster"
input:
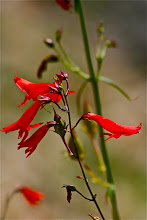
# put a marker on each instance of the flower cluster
(43, 93)
(49, 92)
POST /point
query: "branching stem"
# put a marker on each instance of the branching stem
(76, 150)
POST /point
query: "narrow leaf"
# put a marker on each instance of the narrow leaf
(112, 83)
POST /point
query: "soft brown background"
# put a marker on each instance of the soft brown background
(24, 25)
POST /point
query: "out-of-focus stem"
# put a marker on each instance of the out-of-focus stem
(7, 205)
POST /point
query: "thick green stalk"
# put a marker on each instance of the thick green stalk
(98, 109)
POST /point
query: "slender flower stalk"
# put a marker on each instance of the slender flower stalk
(76, 150)
(8, 199)
(98, 110)
(67, 147)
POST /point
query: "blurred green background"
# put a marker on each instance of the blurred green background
(24, 24)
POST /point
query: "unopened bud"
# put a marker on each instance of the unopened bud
(64, 4)
(94, 217)
(43, 66)
(100, 28)
(79, 146)
(58, 35)
(69, 189)
(61, 127)
(49, 42)
(62, 76)
(111, 43)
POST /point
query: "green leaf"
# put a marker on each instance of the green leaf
(112, 83)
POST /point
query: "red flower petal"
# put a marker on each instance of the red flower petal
(33, 90)
(24, 122)
(32, 142)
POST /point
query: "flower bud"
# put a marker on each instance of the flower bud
(79, 145)
(43, 66)
(64, 4)
(69, 189)
(100, 27)
(111, 43)
(58, 35)
(62, 76)
(60, 128)
(94, 217)
(49, 42)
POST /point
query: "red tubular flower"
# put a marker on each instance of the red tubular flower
(65, 4)
(33, 90)
(116, 130)
(32, 142)
(23, 124)
(32, 197)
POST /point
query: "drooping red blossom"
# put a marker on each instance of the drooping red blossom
(31, 196)
(116, 130)
(33, 90)
(65, 4)
(23, 124)
(32, 142)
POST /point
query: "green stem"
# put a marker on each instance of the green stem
(63, 51)
(98, 109)
(71, 66)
